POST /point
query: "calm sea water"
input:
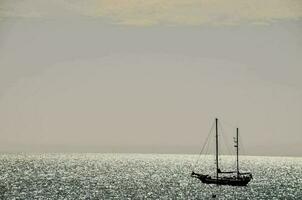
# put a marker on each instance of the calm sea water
(140, 176)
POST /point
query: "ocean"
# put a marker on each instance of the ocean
(141, 176)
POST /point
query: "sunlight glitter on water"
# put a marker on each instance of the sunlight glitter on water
(140, 176)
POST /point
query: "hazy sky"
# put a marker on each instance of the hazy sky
(150, 76)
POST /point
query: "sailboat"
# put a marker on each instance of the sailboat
(232, 178)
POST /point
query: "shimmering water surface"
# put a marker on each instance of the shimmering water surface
(139, 176)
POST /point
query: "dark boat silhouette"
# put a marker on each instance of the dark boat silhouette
(232, 178)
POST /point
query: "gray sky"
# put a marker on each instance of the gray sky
(105, 77)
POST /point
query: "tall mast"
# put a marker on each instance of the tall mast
(217, 166)
(237, 152)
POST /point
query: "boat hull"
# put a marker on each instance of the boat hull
(232, 181)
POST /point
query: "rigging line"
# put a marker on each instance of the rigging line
(223, 134)
(206, 146)
(224, 139)
(203, 146)
(241, 144)
(207, 149)
(226, 143)
(228, 123)
(240, 140)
